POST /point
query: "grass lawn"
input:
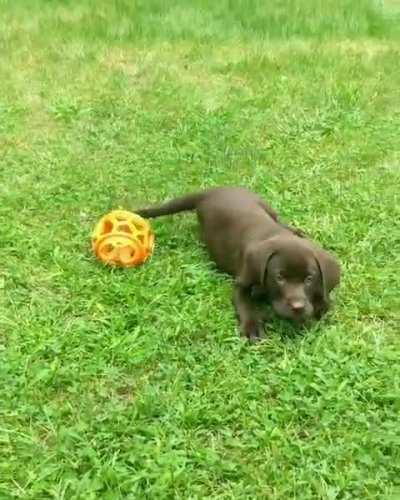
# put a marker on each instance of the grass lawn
(134, 384)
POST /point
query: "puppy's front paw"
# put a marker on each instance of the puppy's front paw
(252, 330)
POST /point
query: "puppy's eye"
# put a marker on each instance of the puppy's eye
(308, 279)
(280, 278)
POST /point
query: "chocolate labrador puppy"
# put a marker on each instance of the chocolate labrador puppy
(246, 239)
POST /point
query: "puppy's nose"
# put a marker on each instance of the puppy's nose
(297, 306)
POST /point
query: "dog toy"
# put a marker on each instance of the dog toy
(123, 239)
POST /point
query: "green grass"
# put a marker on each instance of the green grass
(134, 384)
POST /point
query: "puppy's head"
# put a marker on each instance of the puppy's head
(296, 275)
(292, 279)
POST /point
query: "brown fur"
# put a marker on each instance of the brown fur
(245, 239)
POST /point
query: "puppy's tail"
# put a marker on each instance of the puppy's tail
(183, 204)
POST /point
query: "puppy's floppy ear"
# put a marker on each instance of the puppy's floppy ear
(330, 275)
(255, 262)
(330, 269)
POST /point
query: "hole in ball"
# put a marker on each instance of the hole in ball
(124, 228)
(108, 248)
(107, 227)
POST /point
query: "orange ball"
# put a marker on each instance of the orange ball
(123, 239)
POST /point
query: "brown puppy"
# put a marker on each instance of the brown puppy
(245, 239)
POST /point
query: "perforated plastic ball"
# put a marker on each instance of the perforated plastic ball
(123, 239)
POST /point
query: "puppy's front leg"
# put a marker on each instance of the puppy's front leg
(249, 318)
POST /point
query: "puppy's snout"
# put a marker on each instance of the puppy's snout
(298, 306)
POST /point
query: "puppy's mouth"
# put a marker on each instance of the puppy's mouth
(300, 320)
(285, 312)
